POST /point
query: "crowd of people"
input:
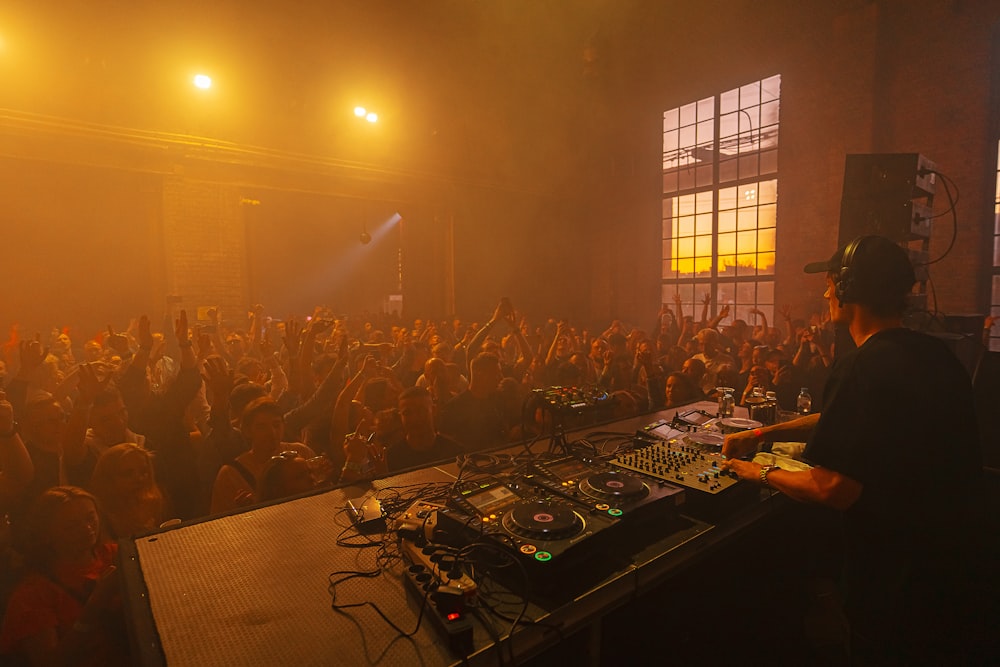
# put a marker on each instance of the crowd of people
(136, 428)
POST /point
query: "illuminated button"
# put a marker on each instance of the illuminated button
(485, 519)
(493, 516)
(565, 483)
(602, 506)
(614, 511)
(528, 549)
(543, 556)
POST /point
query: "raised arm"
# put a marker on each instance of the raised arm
(16, 469)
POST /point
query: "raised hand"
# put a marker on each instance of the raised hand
(707, 299)
(32, 354)
(117, 342)
(292, 337)
(181, 327)
(91, 382)
(724, 312)
(144, 333)
(218, 377)
(785, 312)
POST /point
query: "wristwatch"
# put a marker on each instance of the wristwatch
(764, 470)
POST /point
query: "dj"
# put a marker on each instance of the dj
(896, 450)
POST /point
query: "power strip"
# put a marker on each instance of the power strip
(446, 602)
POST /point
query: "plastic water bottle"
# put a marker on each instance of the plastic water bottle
(803, 404)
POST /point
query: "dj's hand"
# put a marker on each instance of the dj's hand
(747, 470)
(740, 444)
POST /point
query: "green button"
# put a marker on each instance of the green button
(543, 556)
(614, 511)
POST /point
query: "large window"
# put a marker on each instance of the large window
(720, 192)
(995, 300)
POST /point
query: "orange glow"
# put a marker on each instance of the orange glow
(360, 112)
(203, 81)
(371, 117)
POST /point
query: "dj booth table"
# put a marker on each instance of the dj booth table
(252, 588)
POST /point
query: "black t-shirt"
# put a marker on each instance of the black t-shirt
(898, 417)
(401, 456)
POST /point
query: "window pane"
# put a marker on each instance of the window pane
(685, 205)
(685, 179)
(769, 113)
(766, 215)
(729, 101)
(703, 202)
(670, 119)
(706, 108)
(685, 247)
(670, 141)
(669, 182)
(765, 263)
(750, 95)
(727, 198)
(765, 240)
(769, 162)
(746, 293)
(746, 242)
(727, 244)
(704, 223)
(748, 165)
(705, 176)
(727, 221)
(747, 218)
(706, 131)
(767, 191)
(765, 292)
(703, 246)
(727, 171)
(687, 137)
(685, 226)
(745, 264)
(688, 114)
(726, 265)
(770, 88)
(728, 125)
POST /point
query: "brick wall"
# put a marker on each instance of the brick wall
(204, 246)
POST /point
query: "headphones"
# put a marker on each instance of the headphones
(846, 288)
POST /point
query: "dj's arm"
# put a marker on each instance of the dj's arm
(816, 485)
(744, 443)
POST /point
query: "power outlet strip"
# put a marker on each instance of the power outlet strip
(445, 604)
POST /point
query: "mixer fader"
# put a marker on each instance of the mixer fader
(693, 460)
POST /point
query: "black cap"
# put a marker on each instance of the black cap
(878, 264)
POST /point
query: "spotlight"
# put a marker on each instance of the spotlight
(360, 112)
(203, 81)
(371, 117)
(366, 238)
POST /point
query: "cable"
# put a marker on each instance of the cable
(953, 201)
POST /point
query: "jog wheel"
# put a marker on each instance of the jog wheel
(543, 521)
(614, 485)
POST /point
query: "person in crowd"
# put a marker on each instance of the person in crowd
(911, 569)
(124, 485)
(475, 418)
(262, 424)
(41, 430)
(421, 443)
(712, 356)
(160, 415)
(66, 610)
(694, 369)
(16, 468)
(679, 389)
(287, 474)
(616, 372)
